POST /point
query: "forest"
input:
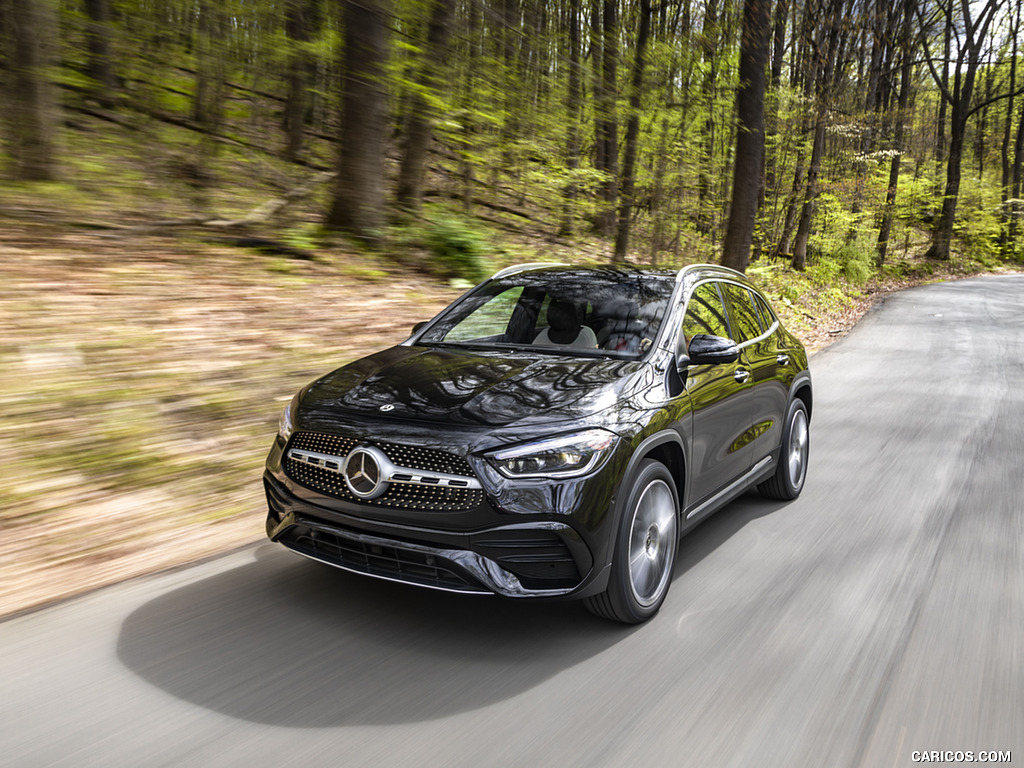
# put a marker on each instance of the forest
(846, 132)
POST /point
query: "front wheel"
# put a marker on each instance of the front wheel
(788, 480)
(645, 549)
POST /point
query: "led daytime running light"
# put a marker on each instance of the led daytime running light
(566, 456)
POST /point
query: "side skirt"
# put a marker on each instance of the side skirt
(753, 476)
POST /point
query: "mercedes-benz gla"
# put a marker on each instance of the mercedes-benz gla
(552, 434)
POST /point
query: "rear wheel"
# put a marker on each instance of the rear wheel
(788, 480)
(645, 549)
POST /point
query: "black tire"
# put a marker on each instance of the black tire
(791, 470)
(644, 557)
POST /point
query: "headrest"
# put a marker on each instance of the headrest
(563, 322)
(563, 315)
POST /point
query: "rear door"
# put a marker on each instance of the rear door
(766, 360)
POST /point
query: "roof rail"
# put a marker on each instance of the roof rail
(516, 269)
(713, 267)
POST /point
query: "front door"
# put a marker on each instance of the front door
(721, 399)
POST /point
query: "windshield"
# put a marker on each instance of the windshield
(571, 311)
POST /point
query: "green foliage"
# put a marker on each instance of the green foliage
(917, 204)
(790, 294)
(858, 264)
(856, 259)
(306, 236)
(980, 233)
(853, 261)
(458, 249)
(452, 247)
(978, 226)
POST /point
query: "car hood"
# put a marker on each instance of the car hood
(449, 385)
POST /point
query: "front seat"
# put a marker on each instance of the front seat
(565, 329)
(623, 329)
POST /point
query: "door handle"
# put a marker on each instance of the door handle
(741, 376)
(782, 359)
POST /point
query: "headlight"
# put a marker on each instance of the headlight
(565, 456)
(286, 424)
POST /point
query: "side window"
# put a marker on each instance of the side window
(767, 316)
(489, 320)
(705, 313)
(743, 313)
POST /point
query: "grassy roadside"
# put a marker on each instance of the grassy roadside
(141, 382)
(140, 388)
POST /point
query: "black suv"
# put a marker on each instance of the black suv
(550, 434)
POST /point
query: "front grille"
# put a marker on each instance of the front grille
(387, 561)
(315, 441)
(540, 559)
(427, 498)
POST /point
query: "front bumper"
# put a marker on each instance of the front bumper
(536, 558)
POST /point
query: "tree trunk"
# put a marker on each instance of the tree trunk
(827, 58)
(597, 76)
(709, 42)
(658, 193)
(784, 246)
(632, 133)
(31, 109)
(1007, 172)
(467, 174)
(574, 100)
(98, 42)
(419, 127)
(608, 125)
(803, 230)
(358, 204)
(940, 131)
(981, 134)
(772, 116)
(975, 21)
(754, 45)
(942, 235)
(1018, 161)
(297, 28)
(907, 53)
(801, 75)
(208, 101)
(508, 36)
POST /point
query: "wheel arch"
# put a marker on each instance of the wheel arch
(802, 390)
(668, 448)
(670, 453)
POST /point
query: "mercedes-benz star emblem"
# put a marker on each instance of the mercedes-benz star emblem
(362, 472)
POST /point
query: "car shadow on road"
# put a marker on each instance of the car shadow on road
(721, 526)
(285, 641)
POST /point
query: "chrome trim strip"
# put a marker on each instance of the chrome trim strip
(734, 485)
(390, 473)
(774, 327)
(387, 578)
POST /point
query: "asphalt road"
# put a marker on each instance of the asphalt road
(879, 615)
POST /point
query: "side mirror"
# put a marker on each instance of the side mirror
(416, 328)
(710, 350)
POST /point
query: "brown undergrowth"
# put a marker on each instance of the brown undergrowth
(140, 387)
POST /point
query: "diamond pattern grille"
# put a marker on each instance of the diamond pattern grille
(425, 498)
